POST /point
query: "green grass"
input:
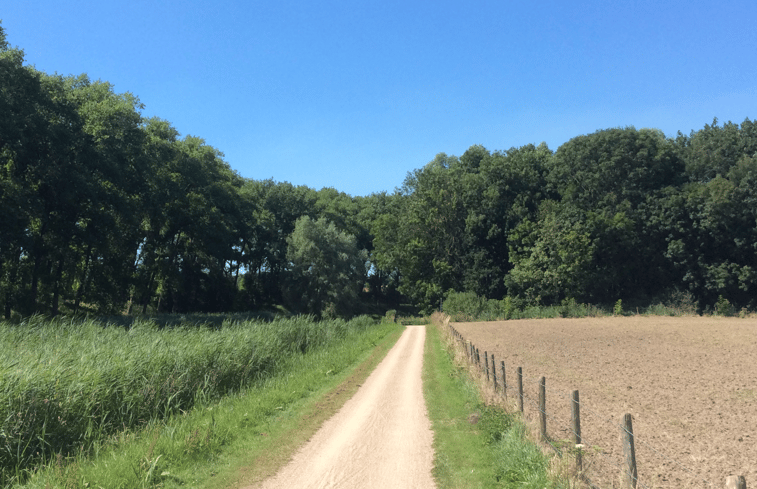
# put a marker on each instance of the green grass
(74, 390)
(235, 439)
(467, 306)
(477, 446)
(246, 435)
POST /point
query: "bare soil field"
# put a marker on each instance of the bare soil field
(689, 382)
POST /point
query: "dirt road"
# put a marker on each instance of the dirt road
(380, 438)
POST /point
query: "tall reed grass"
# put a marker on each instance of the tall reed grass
(66, 384)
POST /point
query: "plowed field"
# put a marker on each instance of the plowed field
(689, 382)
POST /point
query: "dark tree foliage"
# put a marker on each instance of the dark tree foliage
(328, 269)
(590, 244)
(609, 167)
(104, 210)
(714, 150)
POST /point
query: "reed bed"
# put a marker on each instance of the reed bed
(67, 384)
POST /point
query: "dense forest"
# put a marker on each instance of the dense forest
(103, 210)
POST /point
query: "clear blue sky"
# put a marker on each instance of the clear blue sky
(354, 94)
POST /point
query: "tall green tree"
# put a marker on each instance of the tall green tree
(712, 231)
(279, 205)
(45, 160)
(715, 149)
(593, 243)
(101, 269)
(424, 238)
(449, 225)
(328, 268)
(508, 190)
(21, 141)
(192, 229)
(382, 283)
(611, 166)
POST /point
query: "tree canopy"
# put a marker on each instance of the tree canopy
(105, 210)
(328, 268)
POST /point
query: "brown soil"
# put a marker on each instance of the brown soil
(689, 382)
(381, 438)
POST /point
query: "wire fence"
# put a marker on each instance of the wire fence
(597, 466)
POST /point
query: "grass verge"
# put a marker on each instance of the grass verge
(476, 445)
(69, 384)
(236, 441)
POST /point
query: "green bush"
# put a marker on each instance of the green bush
(391, 315)
(569, 308)
(463, 306)
(495, 422)
(618, 308)
(467, 306)
(723, 307)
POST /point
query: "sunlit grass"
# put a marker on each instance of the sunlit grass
(71, 387)
(476, 445)
(239, 438)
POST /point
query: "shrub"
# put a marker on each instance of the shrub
(618, 309)
(723, 307)
(391, 315)
(464, 306)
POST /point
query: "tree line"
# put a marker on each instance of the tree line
(104, 210)
(618, 214)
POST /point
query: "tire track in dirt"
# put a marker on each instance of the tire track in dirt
(380, 438)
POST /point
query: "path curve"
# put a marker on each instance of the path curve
(380, 438)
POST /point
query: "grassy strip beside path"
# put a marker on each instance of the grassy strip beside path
(477, 446)
(69, 384)
(238, 440)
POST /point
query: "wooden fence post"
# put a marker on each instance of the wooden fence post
(520, 389)
(543, 408)
(630, 474)
(576, 417)
(486, 359)
(494, 373)
(735, 482)
(504, 379)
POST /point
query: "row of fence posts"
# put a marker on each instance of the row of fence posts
(630, 473)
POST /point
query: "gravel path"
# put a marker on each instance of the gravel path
(381, 438)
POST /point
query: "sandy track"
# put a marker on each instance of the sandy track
(380, 438)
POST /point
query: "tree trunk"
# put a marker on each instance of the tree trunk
(56, 293)
(84, 279)
(32, 304)
(148, 292)
(12, 273)
(38, 248)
